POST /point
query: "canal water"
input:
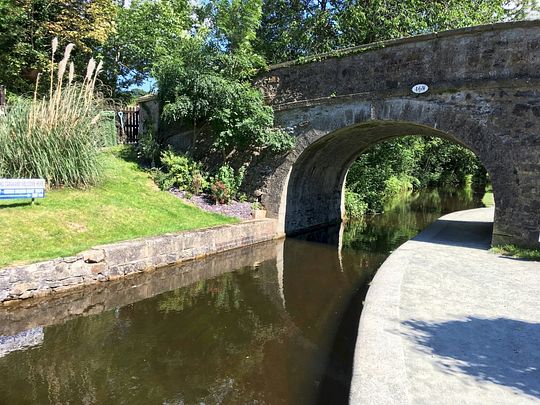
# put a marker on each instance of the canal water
(273, 323)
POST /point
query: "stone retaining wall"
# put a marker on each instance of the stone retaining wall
(98, 298)
(115, 261)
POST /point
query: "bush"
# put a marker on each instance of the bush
(220, 193)
(56, 138)
(226, 184)
(355, 207)
(397, 185)
(148, 148)
(197, 86)
(182, 172)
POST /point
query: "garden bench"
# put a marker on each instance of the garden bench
(22, 188)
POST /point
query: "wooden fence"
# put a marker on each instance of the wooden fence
(128, 125)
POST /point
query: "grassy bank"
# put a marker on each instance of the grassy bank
(126, 205)
(515, 251)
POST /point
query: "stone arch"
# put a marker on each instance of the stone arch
(306, 191)
(484, 92)
(316, 184)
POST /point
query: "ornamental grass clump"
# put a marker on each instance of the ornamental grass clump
(56, 137)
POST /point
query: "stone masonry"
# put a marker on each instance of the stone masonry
(118, 260)
(484, 93)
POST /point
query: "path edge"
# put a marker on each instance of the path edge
(379, 372)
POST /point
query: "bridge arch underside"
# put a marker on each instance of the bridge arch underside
(317, 179)
(307, 189)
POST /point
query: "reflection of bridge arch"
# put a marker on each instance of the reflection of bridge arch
(484, 94)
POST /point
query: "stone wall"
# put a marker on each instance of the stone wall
(118, 260)
(149, 113)
(177, 134)
(98, 298)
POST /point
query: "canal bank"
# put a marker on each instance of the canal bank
(267, 323)
(118, 260)
(446, 321)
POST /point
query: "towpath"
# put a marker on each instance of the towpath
(447, 322)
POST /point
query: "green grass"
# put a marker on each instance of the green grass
(126, 205)
(488, 199)
(515, 251)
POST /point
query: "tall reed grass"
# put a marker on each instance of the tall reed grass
(56, 137)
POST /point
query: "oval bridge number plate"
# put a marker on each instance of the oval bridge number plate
(420, 88)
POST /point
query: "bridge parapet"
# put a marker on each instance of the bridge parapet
(482, 56)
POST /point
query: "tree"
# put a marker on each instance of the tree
(198, 86)
(28, 26)
(22, 43)
(144, 31)
(236, 22)
(294, 28)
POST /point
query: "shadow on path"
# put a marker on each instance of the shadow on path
(471, 234)
(500, 350)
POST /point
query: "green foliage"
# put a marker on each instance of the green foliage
(291, 29)
(398, 185)
(488, 199)
(28, 26)
(200, 86)
(186, 174)
(220, 193)
(144, 31)
(237, 22)
(125, 205)
(58, 137)
(355, 207)
(226, 184)
(182, 172)
(148, 148)
(515, 251)
(444, 163)
(407, 163)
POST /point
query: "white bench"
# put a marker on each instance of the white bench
(22, 188)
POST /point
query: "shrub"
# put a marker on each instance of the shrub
(232, 180)
(355, 207)
(56, 138)
(197, 86)
(226, 184)
(181, 171)
(395, 185)
(198, 182)
(220, 193)
(148, 148)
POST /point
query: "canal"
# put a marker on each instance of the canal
(268, 324)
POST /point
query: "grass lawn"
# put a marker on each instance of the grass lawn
(515, 251)
(488, 199)
(126, 205)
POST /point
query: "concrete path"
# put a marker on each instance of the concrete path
(447, 322)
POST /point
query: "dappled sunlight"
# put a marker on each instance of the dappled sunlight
(496, 350)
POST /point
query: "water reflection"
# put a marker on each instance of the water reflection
(256, 325)
(20, 341)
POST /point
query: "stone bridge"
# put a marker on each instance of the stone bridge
(484, 93)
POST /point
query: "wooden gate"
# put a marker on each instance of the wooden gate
(128, 128)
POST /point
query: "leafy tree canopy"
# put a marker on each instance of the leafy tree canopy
(28, 26)
(144, 31)
(294, 28)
